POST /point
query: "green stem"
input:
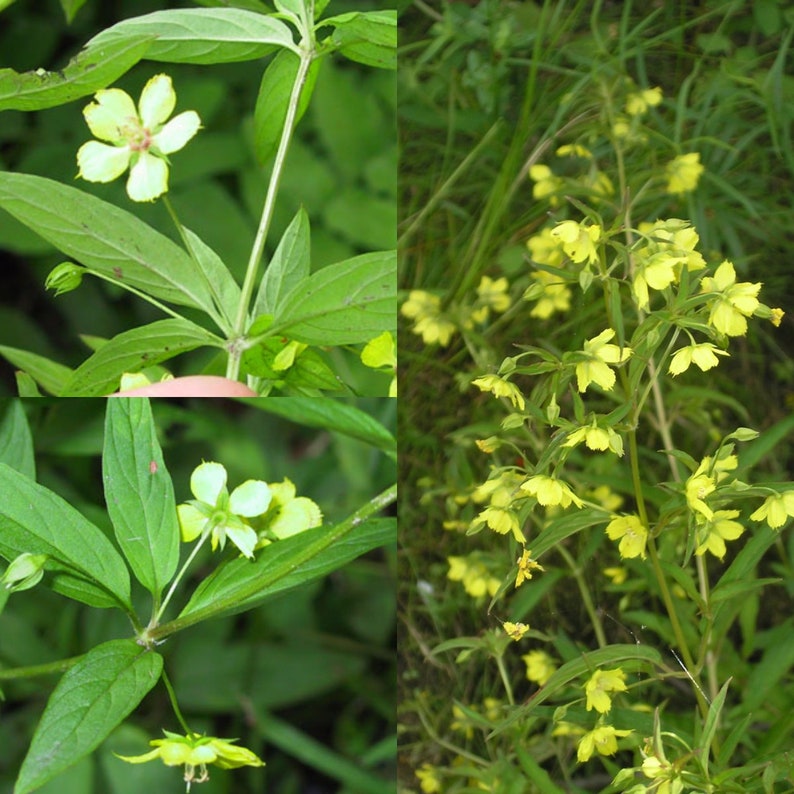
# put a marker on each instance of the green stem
(306, 56)
(134, 291)
(33, 671)
(598, 626)
(178, 577)
(175, 705)
(243, 593)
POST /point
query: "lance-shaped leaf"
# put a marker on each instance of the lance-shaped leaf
(16, 442)
(330, 415)
(91, 69)
(105, 238)
(289, 265)
(134, 350)
(36, 520)
(91, 699)
(49, 374)
(241, 584)
(203, 35)
(273, 100)
(347, 302)
(139, 493)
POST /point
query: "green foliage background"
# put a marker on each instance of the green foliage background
(341, 168)
(476, 94)
(307, 680)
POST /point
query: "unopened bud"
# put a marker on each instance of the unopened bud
(24, 572)
(64, 278)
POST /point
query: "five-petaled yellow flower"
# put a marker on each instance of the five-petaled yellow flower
(540, 666)
(713, 532)
(219, 513)
(500, 387)
(603, 739)
(703, 354)
(733, 302)
(599, 354)
(525, 567)
(775, 509)
(515, 630)
(632, 533)
(136, 138)
(578, 240)
(195, 752)
(550, 491)
(683, 173)
(600, 684)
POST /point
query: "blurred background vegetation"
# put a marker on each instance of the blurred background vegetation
(342, 168)
(481, 85)
(307, 680)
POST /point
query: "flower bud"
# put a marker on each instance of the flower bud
(24, 572)
(64, 278)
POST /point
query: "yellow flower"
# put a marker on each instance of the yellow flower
(476, 578)
(429, 321)
(599, 354)
(775, 509)
(683, 173)
(546, 249)
(546, 184)
(540, 666)
(632, 533)
(578, 241)
(195, 752)
(602, 739)
(618, 574)
(493, 294)
(713, 533)
(596, 438)
(222, 515)
(703, 354)
(429, 781)
(734, 302)
(574, 150)
(638, 103)
(515, 630)
(500, 388)
(137, 138)
(550, 292)
(777, 317)
(525, 567)
(704, 481)
(600, 684)
(550, 491)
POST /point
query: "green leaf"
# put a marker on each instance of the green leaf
(368, 37)
(330, 415)
(286, 564)
(710, 726)
(91, 699)
(134, 350)
(290, 264)
(36, 520)
(71, 7)
(49, 374)
(272, 101)
(91, 69)
(347, 302)
(196, 35)
(105, 239)
(224, 289)
(16, 442)
(139, 493)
